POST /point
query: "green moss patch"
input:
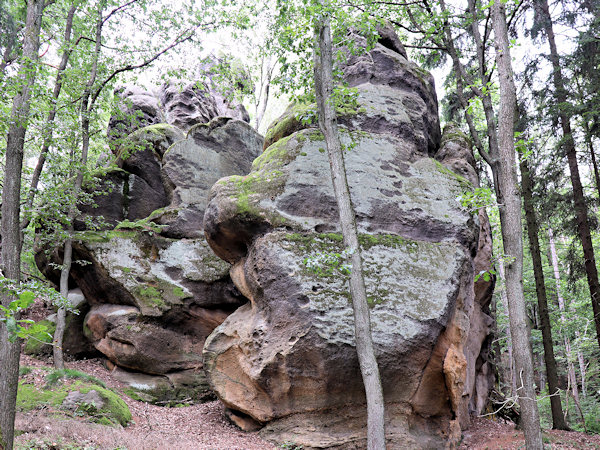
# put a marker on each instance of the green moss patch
(57, 375)
(464, 183)
(114, 412)
(103, 236)
(149, 295)
(294, 119)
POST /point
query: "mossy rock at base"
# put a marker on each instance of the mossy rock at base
(114, 411)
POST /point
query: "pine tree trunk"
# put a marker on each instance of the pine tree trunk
(569, 146)
(9, 227)
(558, 421)
(364, 344)
(510, 219)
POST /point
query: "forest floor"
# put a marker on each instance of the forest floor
(204, 426)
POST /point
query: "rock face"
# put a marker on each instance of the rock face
(182, 105)
(286, 360)
(155, 288)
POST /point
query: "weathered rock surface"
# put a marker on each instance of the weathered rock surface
(286, 360)
(182, 105)
(154, 287)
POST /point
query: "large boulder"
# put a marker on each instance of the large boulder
(155, 289)
(286, 361)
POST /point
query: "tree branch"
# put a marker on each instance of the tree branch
(147, 62)
(116, 10)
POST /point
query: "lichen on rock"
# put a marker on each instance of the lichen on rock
(154, 287)
(286, 361)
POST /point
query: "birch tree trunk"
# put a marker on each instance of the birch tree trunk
(364, 344)
(11, 208)
(561, 306)
(510, 218)
(563, 320)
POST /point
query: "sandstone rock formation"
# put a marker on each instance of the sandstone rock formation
(154, 287)
(286, 361)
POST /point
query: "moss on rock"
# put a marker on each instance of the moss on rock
(114, 411)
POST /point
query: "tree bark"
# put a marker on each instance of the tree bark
(11, 203)
(87, 103)
(48, 126)
(265, 86)
(558, 420)
(588, 139)
(510, 218)
(364, 344)
(561, 306)
(511, 363)
(569, 146)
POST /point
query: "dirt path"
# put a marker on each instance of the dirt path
(203, 426)
(192, 427)
(487, 434)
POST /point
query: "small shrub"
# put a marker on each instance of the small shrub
(288, 445)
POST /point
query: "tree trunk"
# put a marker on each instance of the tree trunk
(510, 219)
(86, 108)
(57, 340)
(569, 146)
(364, 344)
(588, 139)
(561, 306)
(265, 86)
(558, 421)
(511, 364)
(582, 368)
(48, 126)
(11, 202)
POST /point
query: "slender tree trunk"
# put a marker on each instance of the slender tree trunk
(582, 368)
(563, 319)
(588, 139)
(582, 365)
(461, 77)
(510, 218)
(486, 99)
(558, 421)
(569, 146)
(511, 363)
(561, 306)
(86, 109)
(364, 344)
(9, 227)
(263, 100)
(48, 126)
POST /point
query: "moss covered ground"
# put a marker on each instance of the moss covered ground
(59, 384)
